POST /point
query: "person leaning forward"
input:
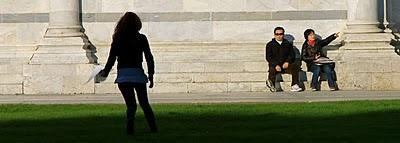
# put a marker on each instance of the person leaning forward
(281, 59)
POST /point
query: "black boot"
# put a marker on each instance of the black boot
(153, 129)
(152, 125)
(130, 127)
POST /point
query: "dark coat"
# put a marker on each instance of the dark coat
(129, 53)
(308, 52)
(277, 54)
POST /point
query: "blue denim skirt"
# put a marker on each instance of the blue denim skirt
(135, 75)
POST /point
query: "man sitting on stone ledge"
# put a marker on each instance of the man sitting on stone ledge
(281, 59)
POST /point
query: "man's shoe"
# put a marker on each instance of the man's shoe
(270, 85)
(296, 88)
(333, 89)
(313, 88)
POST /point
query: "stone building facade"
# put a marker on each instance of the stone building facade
(51, 46)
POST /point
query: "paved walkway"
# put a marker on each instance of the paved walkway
(307, 96)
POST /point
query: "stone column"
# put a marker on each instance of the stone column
(65, 57)
(362, 16)
(385, 14)
(367, 53)
(64, 19)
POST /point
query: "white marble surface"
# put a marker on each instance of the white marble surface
(158, 5)
(260, 5)
(197, 5)
(11, 89)
(322, 4)
(228, 5)
(117, 6)
(92, 6)
(50, 79)
(362, 11)
(30, 33)
(24, 6)
(8, 33)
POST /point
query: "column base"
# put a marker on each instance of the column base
(66, 50)
(354, 28)
(57, 79)
(60, 66)
(64, 31)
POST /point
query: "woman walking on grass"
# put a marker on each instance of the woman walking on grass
(128, 47)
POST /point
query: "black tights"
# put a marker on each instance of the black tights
(128, 92)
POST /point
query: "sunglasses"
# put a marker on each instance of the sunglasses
(279, 34)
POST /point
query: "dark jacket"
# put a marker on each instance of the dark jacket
(129, 54)
(277, 54)
(308, 52)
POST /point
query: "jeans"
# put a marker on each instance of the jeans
(327, 69)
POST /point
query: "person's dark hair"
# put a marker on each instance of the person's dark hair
(279, 28)
(128, 26)
(308, 32)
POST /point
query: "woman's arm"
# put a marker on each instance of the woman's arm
(112, 56)
(328, 40)
(148, 55)
(149, 60)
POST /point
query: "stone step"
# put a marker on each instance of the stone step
(11, 89)
(10, 69)
(258, 55)
(359, 28)
(15, 54)
(205, 54)
(11, 79)
(11, 83)
(217, 77)
(4, 48)
(208, 67)
(368, 48)
(370, 36)
(368, 40)
(367, 43)
(182, 87)
(363, 30)
(191, 87)
(14, 61)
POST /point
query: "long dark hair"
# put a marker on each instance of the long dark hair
(127, 27)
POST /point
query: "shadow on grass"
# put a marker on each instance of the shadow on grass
(199, 126)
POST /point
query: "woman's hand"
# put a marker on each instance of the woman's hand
(337, 34)
(151, 81)
(317, 56)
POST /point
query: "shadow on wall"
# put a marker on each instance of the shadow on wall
(89, 47)
(396, 43)
(291, 39)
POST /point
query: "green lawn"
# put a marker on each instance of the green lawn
(361, 122)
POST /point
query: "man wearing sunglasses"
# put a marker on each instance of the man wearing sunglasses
(281, 59)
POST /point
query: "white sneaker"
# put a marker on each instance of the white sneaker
(296, 88)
